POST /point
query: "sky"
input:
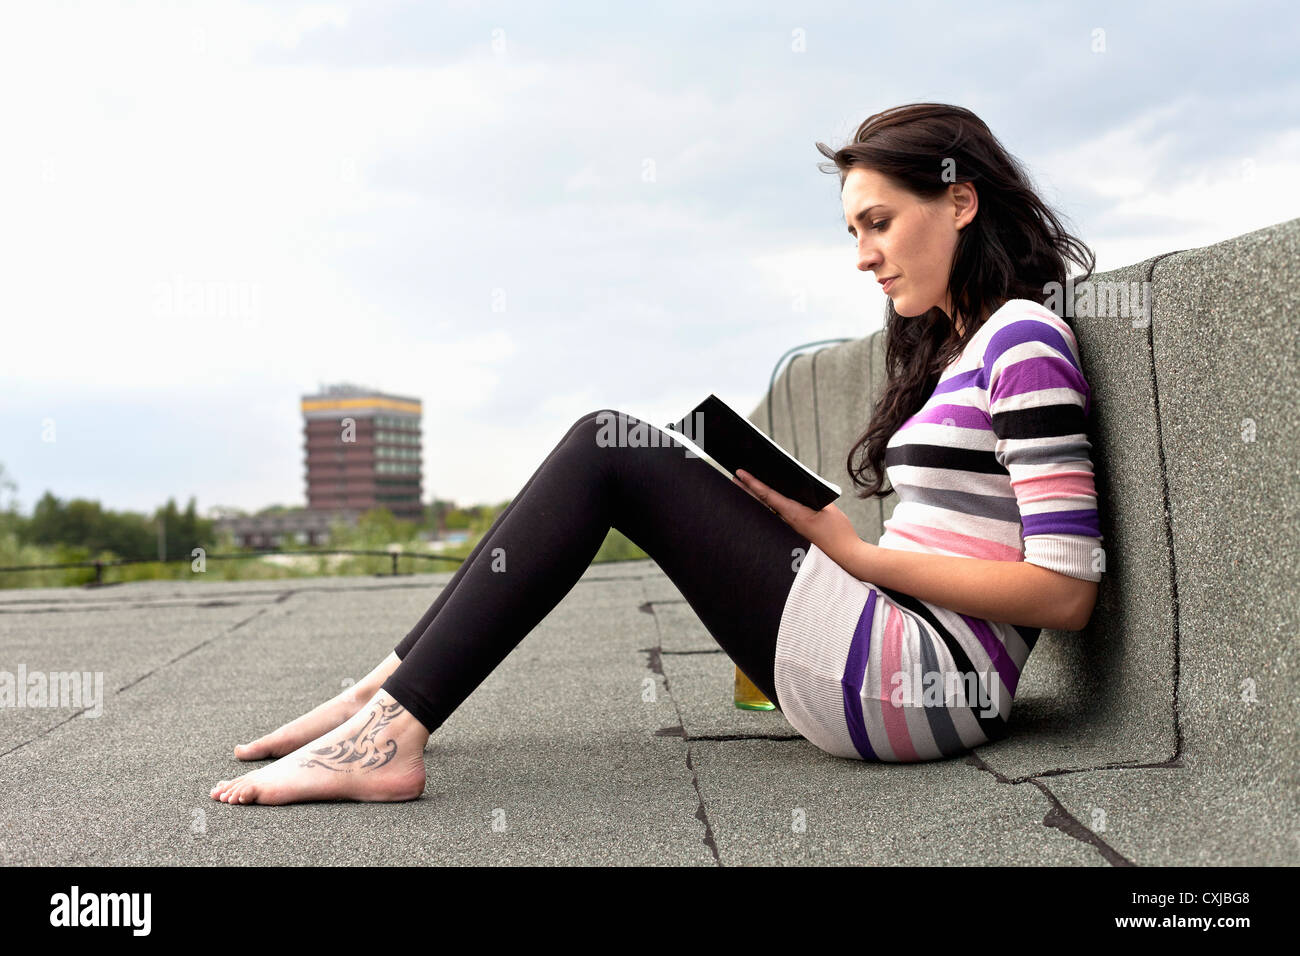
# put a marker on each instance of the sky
(520, 212)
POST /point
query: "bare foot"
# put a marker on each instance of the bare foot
(376, 756)
(319, 720)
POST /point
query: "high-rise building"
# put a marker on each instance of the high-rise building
(362, 451)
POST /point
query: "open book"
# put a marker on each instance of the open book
(727, 440)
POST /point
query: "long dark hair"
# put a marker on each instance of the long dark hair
(1014, 248)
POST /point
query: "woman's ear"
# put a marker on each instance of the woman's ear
(966, 202)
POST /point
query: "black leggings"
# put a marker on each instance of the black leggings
(732, 559)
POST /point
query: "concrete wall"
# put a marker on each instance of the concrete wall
(1196, 446)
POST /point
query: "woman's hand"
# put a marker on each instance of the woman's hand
(829, 529)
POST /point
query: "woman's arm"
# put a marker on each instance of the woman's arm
(1014, 592)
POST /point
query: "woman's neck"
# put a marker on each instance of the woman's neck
(960, 325)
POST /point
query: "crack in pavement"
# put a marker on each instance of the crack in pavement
(1057, 816)
(187, 653)
(655, 663)
(1174, 762)
(53, 727)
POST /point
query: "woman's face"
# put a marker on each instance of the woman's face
(898, 235)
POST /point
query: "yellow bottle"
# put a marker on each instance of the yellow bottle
(749, 697)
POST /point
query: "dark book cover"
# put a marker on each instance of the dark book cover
(732, 441)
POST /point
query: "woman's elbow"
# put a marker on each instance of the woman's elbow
(1085, 600)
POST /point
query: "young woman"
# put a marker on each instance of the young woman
(908, 649)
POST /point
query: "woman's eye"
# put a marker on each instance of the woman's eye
(878, 226)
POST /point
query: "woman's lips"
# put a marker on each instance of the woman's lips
(888, 284)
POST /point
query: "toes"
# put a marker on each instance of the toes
(225, 789)
(253, 750)
(245, 793)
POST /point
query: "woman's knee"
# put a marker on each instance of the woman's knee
(600, 414)
(605, 424)
(584, 425)
(610, 428)
(595, 429)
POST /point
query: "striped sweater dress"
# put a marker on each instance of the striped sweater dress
(995, 465)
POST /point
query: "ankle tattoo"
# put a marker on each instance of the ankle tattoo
(361, 750)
